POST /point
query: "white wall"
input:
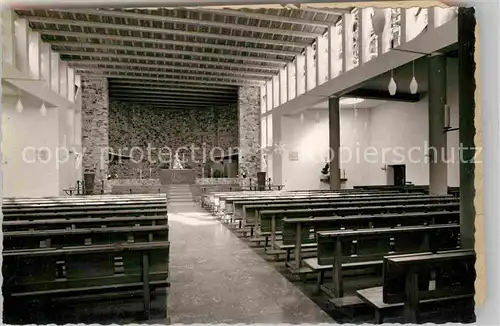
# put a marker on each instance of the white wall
(34, 161)
(28, 132)
(370, 139)
(310, 140)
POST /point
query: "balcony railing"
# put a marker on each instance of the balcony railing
(350, 44)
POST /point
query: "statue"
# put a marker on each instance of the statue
(177, 163)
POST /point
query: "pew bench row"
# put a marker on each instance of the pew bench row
(354, 235)
(78, 251)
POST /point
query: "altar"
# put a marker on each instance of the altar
(178, 174)
(173, 176)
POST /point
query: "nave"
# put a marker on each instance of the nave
(216, 278)
(236, 260)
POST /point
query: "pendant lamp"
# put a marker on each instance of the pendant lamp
(413, 83)
(392, 85)
(43, 110)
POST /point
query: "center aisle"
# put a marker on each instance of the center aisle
(216, 278)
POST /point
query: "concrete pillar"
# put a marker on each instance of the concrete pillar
(95, 130)
(466, 87)
(249, 130)
(334, 134)
(278, 150)
(438, 169)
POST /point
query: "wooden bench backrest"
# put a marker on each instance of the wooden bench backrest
(67, 238)
(64, 223)
(321, 224)
(453, 274)
(337, 247)
(346, 209)
(251, 207)
(84, 270)
(82, 251)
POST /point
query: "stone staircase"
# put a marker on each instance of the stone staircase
(179, 194)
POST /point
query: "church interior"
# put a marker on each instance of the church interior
(204, 164)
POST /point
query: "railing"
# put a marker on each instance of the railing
(349, 44)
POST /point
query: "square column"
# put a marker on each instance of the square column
(467, 131)
(438, 169)
(95, 130)
(278, 150)
(249, 155)
(334, 134)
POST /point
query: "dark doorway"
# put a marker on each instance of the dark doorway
(399, 174)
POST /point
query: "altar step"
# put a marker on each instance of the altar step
(179, 193)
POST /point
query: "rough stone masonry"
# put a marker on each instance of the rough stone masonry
(95, 130)
(249, 131)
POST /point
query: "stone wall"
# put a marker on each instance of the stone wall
(95, 129)
(216, 181)
(198, 133)
(249, 127)
(135, 182)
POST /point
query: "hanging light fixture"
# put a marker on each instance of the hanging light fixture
(392, 85)
(43, 110)
(413, 83)
(301, 118)
(19, 104)
(317, 117)
(355, 111)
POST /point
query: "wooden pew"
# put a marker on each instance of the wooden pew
(367, 247)
(341, 202)
(411, 280)
(454, 191)
(222, 202)
(248, 208)
(296, 231)
(270, 220)
(55, 259)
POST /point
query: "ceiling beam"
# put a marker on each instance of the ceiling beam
(146, 91)
(169, 19)
(170, 74)
(254, 15)
(172, 97)
(160, 59)
(176, 83)
(160, 41)
(168, 51)
(157, 3)
(58, 21)
(383, 95)
(174, 86)
(171, 100)
(181, 80)
(325, 11)
(165, 106)
(168, 101)
(94, 63)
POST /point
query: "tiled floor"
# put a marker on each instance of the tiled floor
(216, 278)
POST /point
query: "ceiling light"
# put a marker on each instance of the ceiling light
(392, 87)
(413, 83)
(351, 100)
(19, 106)
(43, 110)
